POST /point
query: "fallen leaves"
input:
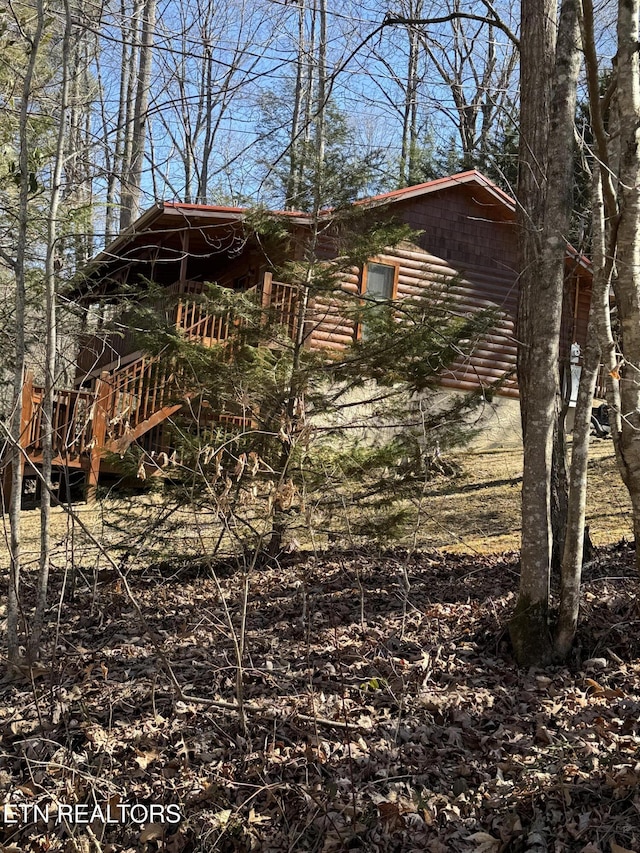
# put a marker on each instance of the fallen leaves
(378, 725)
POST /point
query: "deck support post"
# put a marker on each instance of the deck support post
(184, 260)
(100, 417)
(24, 439)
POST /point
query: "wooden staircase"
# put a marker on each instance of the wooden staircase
(128, 401)
(88, 425)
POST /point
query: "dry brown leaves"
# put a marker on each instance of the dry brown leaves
(443, 744)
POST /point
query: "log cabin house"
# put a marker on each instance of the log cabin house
(467, 232)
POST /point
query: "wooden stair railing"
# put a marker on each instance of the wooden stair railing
(124, 405)
(139, 399)
(71, 423)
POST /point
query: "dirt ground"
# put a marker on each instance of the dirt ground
(479, 511)
(476, 511)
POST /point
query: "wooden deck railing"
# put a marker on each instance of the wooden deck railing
(71, 423)
(281, 302)
(192, 315)
(194, 318)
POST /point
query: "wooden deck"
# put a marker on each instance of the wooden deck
(135, 393)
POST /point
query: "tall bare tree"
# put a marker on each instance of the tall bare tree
(50, 280)
(626, 282)
(117, 149)
(31, 31)
(549, 66)
(479, 74)
(617, 144)
(137, 123)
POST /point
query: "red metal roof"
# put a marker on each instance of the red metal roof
(470, 177)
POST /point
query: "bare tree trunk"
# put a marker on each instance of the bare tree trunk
(209, 126)
(626, 282)
(121, 157)
(546, 152)
(559, 487)
(50, 354)
(131, 59)
(310, 79)
(133, 184)
(609, 227)
(293, 179)
(574, 540)
(17, 463)
(529, 627)
(410, 112)
(618, 152)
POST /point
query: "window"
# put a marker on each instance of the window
(379, 284)
(378, 281)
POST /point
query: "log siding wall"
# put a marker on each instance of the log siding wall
(465, 240)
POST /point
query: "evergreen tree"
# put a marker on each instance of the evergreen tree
(278, 436)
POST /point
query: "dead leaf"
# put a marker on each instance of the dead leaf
(543, 736)
(258, 818)
(391, 815)
(153, 832)
(616, 848)
(144, 759)
(222, 817)
(484, 843)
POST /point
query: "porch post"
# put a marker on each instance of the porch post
(99, 430)
(24, 438)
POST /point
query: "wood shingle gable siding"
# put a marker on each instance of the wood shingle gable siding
(468, 230)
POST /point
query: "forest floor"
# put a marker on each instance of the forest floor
(384, 711)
